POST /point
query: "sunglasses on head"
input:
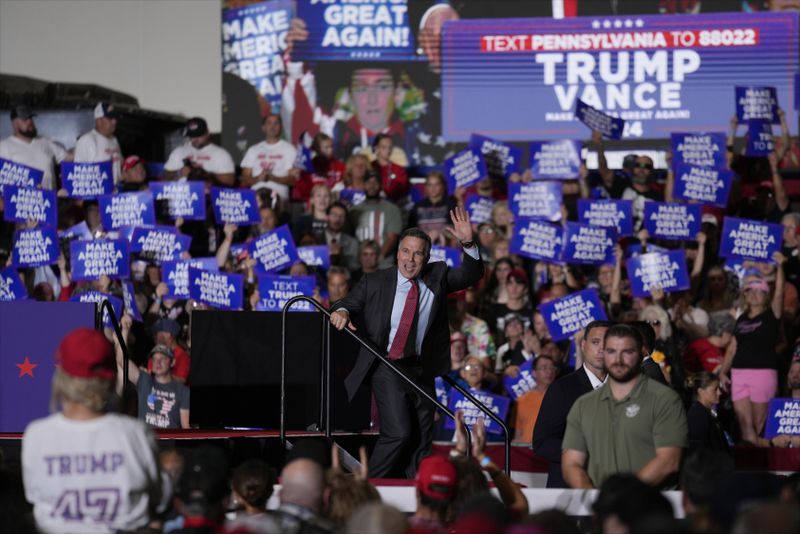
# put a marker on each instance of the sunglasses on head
(654, 322)
(648, 166)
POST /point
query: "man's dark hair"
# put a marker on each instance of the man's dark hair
(419, 234)
(647, 333)
(625, 331)
(700, 472)
(336, 204)
(378, 138)
(204, 482)
(596, 324)
(631, 500)
(254, 481)
(440, 508)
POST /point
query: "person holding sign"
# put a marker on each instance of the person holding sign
(792, 392)
(100, 144)
(751, 358)
(199, 158)
(631, 424)
(26, 147)
(403, 311)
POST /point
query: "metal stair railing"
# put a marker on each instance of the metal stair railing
(105, 305)
(326, 366)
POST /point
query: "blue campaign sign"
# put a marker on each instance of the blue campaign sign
(635, 249)
(218, 290)
(502, 159)
(591, 245)
(707, 185)
(441, 390)
(253, 43)
(162, 243)
(87, 180)
(303, 159)
(185, 200)
(751, 240)
(783, 418)
(13, 173)
(35, 247)
(11, 286)
(538, 240)
(568, 315)
(25, 204)
(521, 384)
(756, 104)
(666, 270)
(555, 160)
(275, 290)
(701, 149)
(616, 214)
(671, 220)
(347, 31)
(97, 297)
(535, 200)
(79, 231)
(127, 209)
(464, 169)
(497, 404)
(352, 197)
(608, 125)
(176, 274)
(479, 208)
(236, 206)
(451, 256)
(129, 301)
(92, 259)
(315, 256)
(274, 250)
(660, 73)
(760, 142)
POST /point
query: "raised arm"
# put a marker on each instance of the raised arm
(133, 371)
(780, 282)
(781, 198)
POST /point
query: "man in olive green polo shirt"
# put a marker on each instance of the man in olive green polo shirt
(631, 424)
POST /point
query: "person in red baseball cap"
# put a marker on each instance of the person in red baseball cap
(81, 454)
(436, 484)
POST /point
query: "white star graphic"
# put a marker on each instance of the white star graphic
(595, 24)
(628, 23)
(606, 24)
(618, 24)
(639, 23)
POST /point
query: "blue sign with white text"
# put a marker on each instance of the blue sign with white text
(555, 160)
(671, 220)
(11, 287)
(502, 159)
(497, 404)
(344, 30)
(315, 256)
(783, 418)
(35, 247)
(701, 149)
(479, 208)
(464, 169)
(535, 200)
(274, 250)
(235, 206)
(162, 243)
(78, 231)
(92, 259)
(521, 384)
(218, 290)
(665, 270)
(185, 200)
(13, 173)
(751, 240)
(616, 214)
(451, 256)
(275, 290)
(127, 209)
(608, 125)
(760, 142)
(591, 245)
(757, 104)
(537, 240)
(97, 297)
(23, 204)
(87, 180)
(568, 315)
(176, 274)
(707, 185)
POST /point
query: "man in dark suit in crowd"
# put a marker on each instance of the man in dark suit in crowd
(649, 366)
(552, 421)
(403, 311)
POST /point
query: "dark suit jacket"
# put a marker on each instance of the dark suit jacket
(370, 302)
(653, 370)
(548, 433)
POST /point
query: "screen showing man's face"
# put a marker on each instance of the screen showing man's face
(373, 97)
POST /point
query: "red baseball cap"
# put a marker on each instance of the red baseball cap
(86, 353)
(518, 275)
(131, 162)
(436, 478)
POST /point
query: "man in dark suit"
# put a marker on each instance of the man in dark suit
(403, 311)
(562, 394)
(649, 366)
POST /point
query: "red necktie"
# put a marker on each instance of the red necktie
(398, 347)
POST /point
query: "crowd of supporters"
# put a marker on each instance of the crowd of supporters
(726, 346)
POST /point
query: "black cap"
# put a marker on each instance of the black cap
(195, 127)
(22, 112)
(205, 476)
(630, 161)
